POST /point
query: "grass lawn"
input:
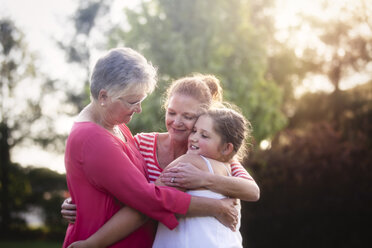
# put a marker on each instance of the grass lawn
(30, 244)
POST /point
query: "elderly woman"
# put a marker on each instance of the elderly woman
(104, 169)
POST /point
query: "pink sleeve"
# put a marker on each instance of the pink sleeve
(111, 170)
(237, 170)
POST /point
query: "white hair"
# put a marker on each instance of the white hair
(122, 69)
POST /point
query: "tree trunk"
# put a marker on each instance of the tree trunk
(4, 166)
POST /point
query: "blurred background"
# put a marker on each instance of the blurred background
(300, 71)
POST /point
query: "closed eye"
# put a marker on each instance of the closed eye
(189, 117)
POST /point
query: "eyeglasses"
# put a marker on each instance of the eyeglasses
(132, 105)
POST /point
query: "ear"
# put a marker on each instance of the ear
(102, 96)
(227, 149)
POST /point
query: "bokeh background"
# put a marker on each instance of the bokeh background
(300, 71)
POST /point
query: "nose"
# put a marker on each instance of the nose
(192, 137)
(178, 121)
(138, 108)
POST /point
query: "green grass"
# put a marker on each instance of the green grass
(30, 244)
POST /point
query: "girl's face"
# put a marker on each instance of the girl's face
(180, 117)
(203, 140)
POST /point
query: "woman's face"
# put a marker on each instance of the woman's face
(204, 140)
(121, 109)
(181, 115)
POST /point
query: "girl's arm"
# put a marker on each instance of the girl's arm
(123, 223)
(190, 177)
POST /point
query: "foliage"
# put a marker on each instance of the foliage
(214, 37)
(343, 42)
(24, 93)
(36, 188)
(80, 46)
(30, 244)
(11, 57)
(316, 179)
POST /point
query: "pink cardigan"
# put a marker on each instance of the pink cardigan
(103, 172)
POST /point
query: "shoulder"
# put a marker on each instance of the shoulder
(146, 137)
(90, 140)
(200, 163)
(193, 159)
(87, 130)
(189, 158)
(219, 167)
(162, 137)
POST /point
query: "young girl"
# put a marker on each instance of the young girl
(218, 135)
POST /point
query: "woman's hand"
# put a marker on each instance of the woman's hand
(82, 244)
(228, 215)
(184, 175)
(68, 211)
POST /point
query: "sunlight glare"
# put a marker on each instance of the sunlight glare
(265, 144)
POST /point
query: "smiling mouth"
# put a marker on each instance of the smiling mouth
(178, 130)
(193, 147)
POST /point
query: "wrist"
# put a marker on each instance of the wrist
(208, 180)
(217, 207)
(91, 242)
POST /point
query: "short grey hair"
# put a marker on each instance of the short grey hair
(119, 70)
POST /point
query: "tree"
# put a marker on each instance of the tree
(316, 179)
(22, 97)
(342, 46)
(215, 37)
(79, 48)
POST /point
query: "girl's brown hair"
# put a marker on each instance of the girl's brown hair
(232, 127)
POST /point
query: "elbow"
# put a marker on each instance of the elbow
(256, 195)
(141, 218)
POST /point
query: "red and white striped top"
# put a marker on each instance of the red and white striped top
(146, 143)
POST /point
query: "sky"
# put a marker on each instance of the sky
(44, 22)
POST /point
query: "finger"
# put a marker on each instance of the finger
(68, 212)
(69, 218)
(68, 206)
(169, 174)
(68, 201)
(166, 179)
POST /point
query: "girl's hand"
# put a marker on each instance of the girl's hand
(228, 215)
(185, 175)
(68, 210)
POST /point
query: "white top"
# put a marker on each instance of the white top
(194, 232)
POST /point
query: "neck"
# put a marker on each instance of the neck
(178, 148)
(93, 113)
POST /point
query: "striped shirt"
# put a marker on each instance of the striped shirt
(146, 143)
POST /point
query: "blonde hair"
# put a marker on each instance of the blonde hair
(202, 87)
